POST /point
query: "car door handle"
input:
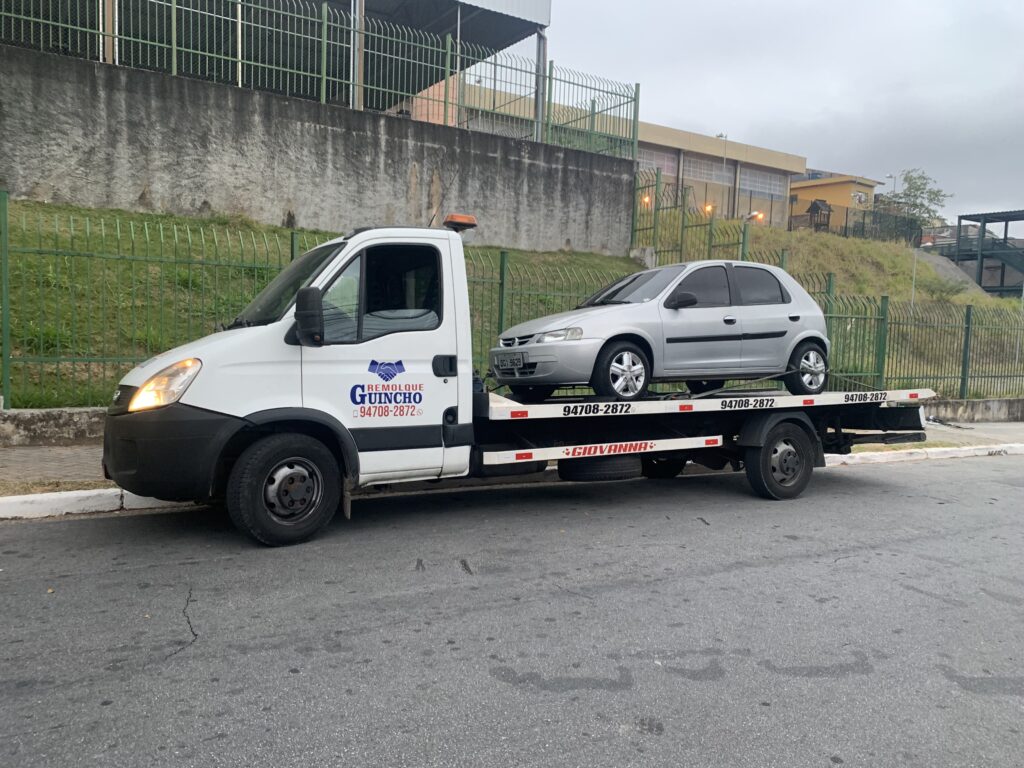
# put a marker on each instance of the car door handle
(729, 320)
(795, 318)
(445, 365)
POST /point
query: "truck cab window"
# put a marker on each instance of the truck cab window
(386, 289)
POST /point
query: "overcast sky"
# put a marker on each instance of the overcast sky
(866, 88)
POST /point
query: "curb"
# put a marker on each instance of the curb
(922, 454)
(40, 505)
(61, 503)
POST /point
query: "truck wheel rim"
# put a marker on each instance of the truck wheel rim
(627, 373)
(293, 489)
(786, 463)
(812, 369)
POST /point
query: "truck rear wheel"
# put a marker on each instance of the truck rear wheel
(781, 468)
(284, 489)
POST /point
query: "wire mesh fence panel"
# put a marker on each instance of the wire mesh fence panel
(89, 298)
(925, 346)
(68, 27)
(590, 113)
(995, 361)
(855, 330)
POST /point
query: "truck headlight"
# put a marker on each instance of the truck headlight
(564, 334)
(167, 386)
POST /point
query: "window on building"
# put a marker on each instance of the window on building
(666, 161)
(764, 183)
(706, 169)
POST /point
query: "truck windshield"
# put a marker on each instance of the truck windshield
(272, 301)
(636, 288)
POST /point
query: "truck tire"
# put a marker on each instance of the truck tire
(656, 467)
(622, 371)
(284, 489)
(530, 395)
(781, 468)
(600, 468)
(808, 369)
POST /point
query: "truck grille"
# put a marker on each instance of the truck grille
(515, 341)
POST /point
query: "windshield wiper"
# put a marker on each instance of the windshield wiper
(611, 301)
(238, 322)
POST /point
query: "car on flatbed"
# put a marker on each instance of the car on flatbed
(704, 323)
(354, 368)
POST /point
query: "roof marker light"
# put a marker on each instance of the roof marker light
(457, 222)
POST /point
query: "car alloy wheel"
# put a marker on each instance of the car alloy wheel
(812, 370)
(628, 374)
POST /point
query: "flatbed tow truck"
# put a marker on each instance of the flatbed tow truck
(353, 368)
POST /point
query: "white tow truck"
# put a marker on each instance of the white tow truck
(354, 368)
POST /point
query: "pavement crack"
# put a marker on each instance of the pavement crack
(188, 620)
(571, 591)
(465, 566)
(703, 521)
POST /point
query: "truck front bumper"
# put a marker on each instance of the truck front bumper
(168, 453)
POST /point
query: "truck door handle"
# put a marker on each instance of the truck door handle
(729, 320)
(794, 318)
(445, 365)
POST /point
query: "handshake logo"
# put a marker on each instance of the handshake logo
(387, 371)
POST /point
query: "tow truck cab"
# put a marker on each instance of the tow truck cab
(387, 388)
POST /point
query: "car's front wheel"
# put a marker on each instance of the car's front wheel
(622, 371)
(807, 369)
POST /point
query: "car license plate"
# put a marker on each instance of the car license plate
(509, 360)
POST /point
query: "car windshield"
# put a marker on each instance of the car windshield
(636, 288)
(272, 301)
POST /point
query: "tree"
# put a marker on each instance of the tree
(918, 197)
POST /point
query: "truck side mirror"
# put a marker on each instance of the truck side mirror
(680, 300)
(309, 317)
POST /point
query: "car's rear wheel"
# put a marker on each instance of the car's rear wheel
(808, 369)
(526, 394)
(622, 371)
(699, 387)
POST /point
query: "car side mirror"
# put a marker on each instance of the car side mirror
(309, 317)
(680, 300)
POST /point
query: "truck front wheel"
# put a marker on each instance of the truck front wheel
(781, 468)
(284, 489)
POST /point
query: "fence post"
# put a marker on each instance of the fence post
(711, 234)
(551, 102)
(830, 284)
(502, 283)
(682, 226)
(323, 52)
(636, 210)
(447, 74)
(881, 343)
(294, 245)
(745, 241)
(965, 361)
(784, 258)
(654, 208)
(5, 302)
(174, 37)
(636, 120)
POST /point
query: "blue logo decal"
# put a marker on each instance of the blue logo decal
(387, 371)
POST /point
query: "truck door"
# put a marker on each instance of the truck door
(707, 336)
(388, 313)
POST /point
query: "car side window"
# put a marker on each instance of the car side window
(758, 286)
(387, 289)
(710, 285)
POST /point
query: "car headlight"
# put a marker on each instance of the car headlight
(167, 386)
(564, 334)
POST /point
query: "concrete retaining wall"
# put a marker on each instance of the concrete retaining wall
(968, 411)
(51, 426)
(102, 136)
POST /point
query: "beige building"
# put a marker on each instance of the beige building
(734, 178)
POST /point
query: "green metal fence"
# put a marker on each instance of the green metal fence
(82, 300)
(317, 51)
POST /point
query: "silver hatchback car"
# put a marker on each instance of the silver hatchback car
(702, 323)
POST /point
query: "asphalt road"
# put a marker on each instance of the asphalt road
(877, 621)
